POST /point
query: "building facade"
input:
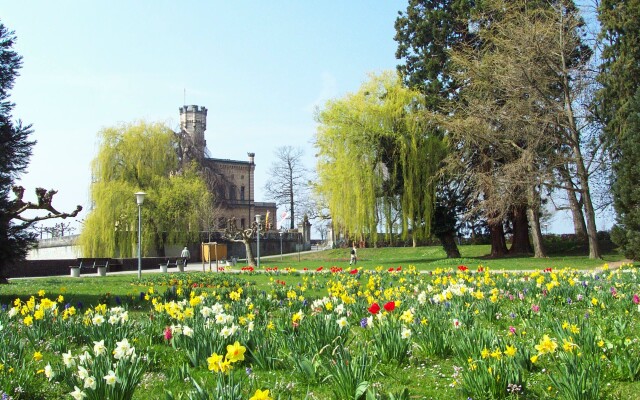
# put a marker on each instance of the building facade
(230, 181)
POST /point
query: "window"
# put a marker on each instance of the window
(242, 223)
(241, 192)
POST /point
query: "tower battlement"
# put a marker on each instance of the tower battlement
(193, 121)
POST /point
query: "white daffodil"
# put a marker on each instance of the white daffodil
(187, 331)
(406, 333)
(99, 348)
(68, 360)
(111, 378)
(77, 393)
(98, 319)
(90, 383)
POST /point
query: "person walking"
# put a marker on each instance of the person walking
(354, 255)
(185, 255)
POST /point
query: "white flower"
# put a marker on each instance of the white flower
(99, 348)
(123, 349)
(98, 319)
(339, 309)
(111, 378)
(205, 311)
(114, 319)
(422, 297)
(82, 372)
(250, 326)
(176, 329)
(370, 321)
(68, 360)
(187, 331)
(220, 319)
(84, 357)
(77, 393)
(13, 312)
(234, 329)
(90, 383)
(342, 322)
(217, 308)
(48, 371)
(406, 333)
(225, 332)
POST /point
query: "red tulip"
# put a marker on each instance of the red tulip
(353, 271)
(375, 308)
(390, 306)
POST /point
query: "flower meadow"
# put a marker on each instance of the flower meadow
(456, 333)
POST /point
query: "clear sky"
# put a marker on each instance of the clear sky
(260, 67)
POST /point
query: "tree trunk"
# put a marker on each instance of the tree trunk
(520, 241)
(247, 246)
(498, 244)
(579, 227)
(536, 234)
(448, 241)
(583, 174)
(534, 218)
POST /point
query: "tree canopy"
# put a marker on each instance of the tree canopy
(15, 151)
(141, 157)
(374, 156)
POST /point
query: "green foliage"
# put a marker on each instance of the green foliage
(14, 155)
(375, 154)
(620, 68)
(141, 157)
(626, 188)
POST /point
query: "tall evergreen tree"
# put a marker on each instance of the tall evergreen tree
(618, 105)
(15, 150)
(626, 189)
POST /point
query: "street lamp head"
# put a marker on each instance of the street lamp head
(140, 197)
(258, 216)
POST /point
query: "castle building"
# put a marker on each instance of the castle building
(230, 181)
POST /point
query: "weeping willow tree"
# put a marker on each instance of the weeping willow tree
(141, 157)
(375, 155)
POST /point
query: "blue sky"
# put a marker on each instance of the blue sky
(261, 68)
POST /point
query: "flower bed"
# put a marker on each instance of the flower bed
(389, 333)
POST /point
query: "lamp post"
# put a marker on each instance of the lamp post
(258, 237)
(140, 200)
(281, 234)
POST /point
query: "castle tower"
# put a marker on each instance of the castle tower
(193, 121)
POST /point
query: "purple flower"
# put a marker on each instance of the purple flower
(569, 301)
(363, 322)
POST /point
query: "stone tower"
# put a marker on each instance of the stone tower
(193, 121)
